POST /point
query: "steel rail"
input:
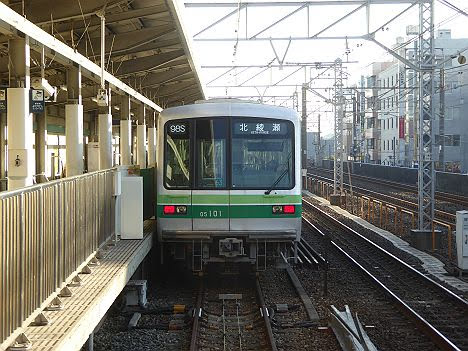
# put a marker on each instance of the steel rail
(439, 195)
(266, 318)
(441, 340)
(196, 319)
(394, 200)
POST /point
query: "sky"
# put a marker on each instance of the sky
(359, 53)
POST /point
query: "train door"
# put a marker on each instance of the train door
(174, 191)
(210, 194)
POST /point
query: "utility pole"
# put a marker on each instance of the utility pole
(442, 119)
(338, 143)
(304, 132)
(318, 149)
(401, 116)
(354, 126)
(415, 104)
(362, 118)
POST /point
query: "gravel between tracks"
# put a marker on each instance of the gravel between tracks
(387, 327)
(152, 333)
(384, 243)
(277, 289)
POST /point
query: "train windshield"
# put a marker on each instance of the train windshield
(262, 153)
(177, 165)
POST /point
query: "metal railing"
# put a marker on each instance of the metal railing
(46, 232)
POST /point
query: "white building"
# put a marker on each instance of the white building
(392, 106)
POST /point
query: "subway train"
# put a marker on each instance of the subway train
(228, 182)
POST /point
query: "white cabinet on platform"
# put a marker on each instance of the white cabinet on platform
(131, 206)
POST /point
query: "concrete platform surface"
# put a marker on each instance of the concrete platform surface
(70, 327)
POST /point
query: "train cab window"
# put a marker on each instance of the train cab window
(177, 165)
(262, 154)
(210, 149)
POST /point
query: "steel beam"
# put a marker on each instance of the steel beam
(12, 23)
(147, 63)
(336, 37)
(176, 15)
(297, 3)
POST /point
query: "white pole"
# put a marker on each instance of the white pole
(105, 140)
(103, 49)
(126, 141)
(74, 137)
(20, 147)
(141, 145)
(151, 146)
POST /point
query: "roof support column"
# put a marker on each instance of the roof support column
(105, 135)
(141, 137)
(19, 118)
(152, 139)
(74, 123)
(125, 131)
(41, 146)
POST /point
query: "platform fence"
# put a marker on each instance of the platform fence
(47, 232)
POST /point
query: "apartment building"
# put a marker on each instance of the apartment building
(392, 107)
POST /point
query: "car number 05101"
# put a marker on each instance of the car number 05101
(210, 214)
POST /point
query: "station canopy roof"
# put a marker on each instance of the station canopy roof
(146, 45)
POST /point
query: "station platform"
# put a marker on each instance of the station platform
(70, 327)
(430, 264)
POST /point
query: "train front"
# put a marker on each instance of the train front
(229, 184)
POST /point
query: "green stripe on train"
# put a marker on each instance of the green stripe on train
(200, 199)
(233, 211)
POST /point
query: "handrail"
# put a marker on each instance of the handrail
(48, 231)
(27, 189)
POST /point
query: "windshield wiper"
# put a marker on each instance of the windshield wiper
(281, 176)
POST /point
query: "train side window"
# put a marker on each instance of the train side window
(210, 149)
(177, 155)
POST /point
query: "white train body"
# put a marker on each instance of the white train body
(228, 179)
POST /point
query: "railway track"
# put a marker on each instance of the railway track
(438, 312)
(224, 320)
(439, 195)
(442, 216)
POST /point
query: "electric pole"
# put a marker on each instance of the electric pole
(304, 131)
(442, 119)
(338, 143)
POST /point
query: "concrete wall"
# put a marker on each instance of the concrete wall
(446, 182)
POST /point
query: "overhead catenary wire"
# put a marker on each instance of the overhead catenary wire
(453, 7)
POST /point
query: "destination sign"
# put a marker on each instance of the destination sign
(260, 128)
(178, 129)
